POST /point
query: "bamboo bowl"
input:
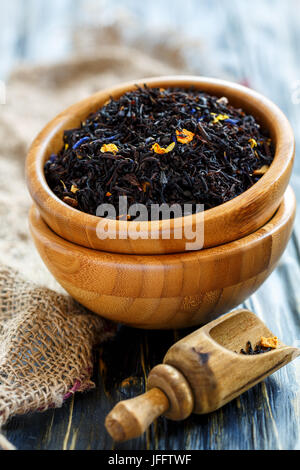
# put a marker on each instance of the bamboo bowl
(231, 221)
(166, 291)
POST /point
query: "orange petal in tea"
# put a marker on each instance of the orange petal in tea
(184, 136)
(269, 342)
(160, 150)
(145, 186)
(109, 148)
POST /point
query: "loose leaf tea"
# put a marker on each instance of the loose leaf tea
(265, 345)
(157, 146)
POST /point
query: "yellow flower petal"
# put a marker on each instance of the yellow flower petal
(219, 117)
(74, 189)
(160, 150)
(65, 187)
(253, 143)
(170, 147)
(184, 136)
(109, 148)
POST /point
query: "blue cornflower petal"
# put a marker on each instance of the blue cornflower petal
(232, 121)
(53, 157)
(111, 138)
(84, 139)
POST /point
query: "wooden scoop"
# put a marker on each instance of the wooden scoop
(200, 373)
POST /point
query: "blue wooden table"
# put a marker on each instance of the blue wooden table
(257, 42)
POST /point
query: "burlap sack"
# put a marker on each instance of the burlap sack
(46, 342)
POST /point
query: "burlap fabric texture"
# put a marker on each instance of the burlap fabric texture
(46, 342)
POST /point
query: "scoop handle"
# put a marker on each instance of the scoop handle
(130, 418)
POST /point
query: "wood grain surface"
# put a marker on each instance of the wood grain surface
(255, 42)
(201, 373)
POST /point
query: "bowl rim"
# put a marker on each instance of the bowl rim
(283, 215)
(38, 153)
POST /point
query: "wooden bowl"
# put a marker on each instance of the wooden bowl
(225, 223)
(166, 291)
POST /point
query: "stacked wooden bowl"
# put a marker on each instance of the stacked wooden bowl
(154, 282)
